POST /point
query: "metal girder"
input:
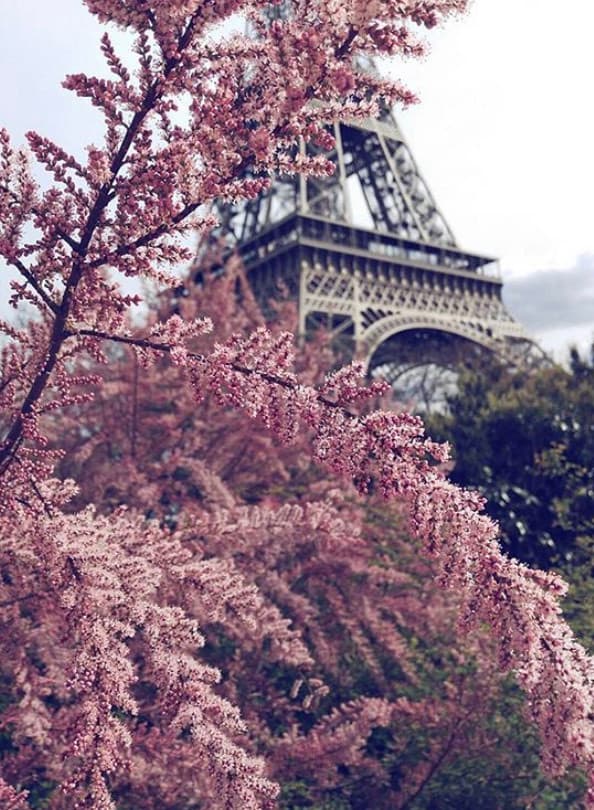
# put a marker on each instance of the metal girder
(309, 237)
(395, 196)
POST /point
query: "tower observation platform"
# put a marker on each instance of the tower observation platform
(368, 255)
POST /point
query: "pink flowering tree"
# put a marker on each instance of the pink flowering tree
(334, 694)
(102, 609)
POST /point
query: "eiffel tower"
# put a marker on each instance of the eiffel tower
(368, 255)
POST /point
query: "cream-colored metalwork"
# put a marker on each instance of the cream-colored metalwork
(383, 303)
(368, 254)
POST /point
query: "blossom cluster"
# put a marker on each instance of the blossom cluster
(104, 612)
(201, 118)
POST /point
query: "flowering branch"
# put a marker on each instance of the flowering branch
(115, 581)
(387, 451)
(183, 61)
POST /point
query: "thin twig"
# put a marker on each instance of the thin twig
(165, 348)
(9, 602)
(24, 271)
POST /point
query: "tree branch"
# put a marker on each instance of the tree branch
(17, 599)
(165, 348)
(28, 275)
(62, 311)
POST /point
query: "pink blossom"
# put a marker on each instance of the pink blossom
(113, 603)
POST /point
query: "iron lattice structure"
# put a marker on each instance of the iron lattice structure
(368, 254)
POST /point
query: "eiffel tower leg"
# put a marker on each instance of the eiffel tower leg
(302, 299)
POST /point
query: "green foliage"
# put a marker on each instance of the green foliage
(527, 443)
(296, 795)
(497, 769)
(503, 773)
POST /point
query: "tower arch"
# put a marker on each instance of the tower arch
(381, 333)
(368, 254)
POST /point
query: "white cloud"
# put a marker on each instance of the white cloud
(504, 129)
(554, 299)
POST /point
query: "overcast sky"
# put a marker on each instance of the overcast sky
(504, 134)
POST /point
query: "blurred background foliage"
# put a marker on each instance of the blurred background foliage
(526, 441)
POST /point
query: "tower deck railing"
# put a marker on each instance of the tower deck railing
(316, 231)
